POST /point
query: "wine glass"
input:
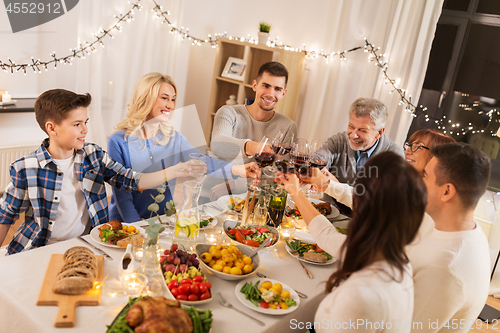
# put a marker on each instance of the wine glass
(318, 158)
(300, 156)
(263, 156)
(281, 146)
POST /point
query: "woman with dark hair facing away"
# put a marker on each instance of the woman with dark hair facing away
(373, 287)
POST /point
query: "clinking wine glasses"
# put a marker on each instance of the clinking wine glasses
(282, 145)
(300, 156)
(264, 155)
(318, 158)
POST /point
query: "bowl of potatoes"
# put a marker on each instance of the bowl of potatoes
(228, 262)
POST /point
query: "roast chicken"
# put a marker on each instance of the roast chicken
(158, 315)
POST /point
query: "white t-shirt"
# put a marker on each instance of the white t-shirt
(451, 271)
(72, 217)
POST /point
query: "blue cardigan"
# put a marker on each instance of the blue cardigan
(132, 207)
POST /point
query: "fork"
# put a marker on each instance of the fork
(230, 306)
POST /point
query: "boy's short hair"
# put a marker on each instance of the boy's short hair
(56, 103)
(275, 69)
(466, 167)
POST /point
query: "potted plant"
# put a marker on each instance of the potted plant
(264, 29)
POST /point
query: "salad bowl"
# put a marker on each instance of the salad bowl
(254, 236)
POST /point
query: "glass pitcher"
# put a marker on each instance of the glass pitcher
(187, 225)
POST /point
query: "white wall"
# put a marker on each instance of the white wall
(294, 23)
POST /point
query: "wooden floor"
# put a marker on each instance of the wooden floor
(481, 326)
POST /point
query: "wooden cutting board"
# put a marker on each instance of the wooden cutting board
(67, 303)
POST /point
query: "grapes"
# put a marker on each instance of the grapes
(196, 263)
(166, 252)
(177, 261)
(174, 247)
(183, 268)
(180, 253)
(189, 263)
(170, 258)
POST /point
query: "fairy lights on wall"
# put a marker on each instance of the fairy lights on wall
(85, 48)
(80, 52)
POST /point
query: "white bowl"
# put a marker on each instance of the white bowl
(202, 248)
(230, 224)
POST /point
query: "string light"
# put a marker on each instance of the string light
(85, 49)
(79, 52)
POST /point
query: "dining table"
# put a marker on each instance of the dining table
(22, 274)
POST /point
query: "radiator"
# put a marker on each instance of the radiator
(7, 156)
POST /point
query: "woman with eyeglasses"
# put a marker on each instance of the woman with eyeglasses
(417, 153)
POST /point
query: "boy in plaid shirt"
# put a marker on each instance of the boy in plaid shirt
(60, 186)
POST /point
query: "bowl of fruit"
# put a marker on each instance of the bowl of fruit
(183, 277)
(250, 235)
(230, 263)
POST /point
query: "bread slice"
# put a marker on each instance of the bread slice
(73, 285)
(134, 240)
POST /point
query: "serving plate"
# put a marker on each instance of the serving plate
(300, 223)
(125, 310)
(94, 235)
(276, 312)
(328, 262)
(223, 201)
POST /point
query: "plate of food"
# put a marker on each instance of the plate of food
(234, 203)
(309, 252)
(183, 277)
(269, 296)
(250, 235)
(206, 220)
(293, 216)
(116, 234)
(172, 317)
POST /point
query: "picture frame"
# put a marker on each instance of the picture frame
(235, 69)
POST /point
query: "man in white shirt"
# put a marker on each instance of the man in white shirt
(450, 256)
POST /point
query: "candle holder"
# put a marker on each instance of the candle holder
(286, 232)
(134, 283)
(212, 236)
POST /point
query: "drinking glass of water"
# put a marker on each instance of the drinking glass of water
(197, 164)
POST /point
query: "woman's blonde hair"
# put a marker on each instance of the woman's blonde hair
(143, 98)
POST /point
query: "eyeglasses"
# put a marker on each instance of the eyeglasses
(414, 146)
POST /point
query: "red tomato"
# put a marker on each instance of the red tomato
(264, 230)
(232, 231)
(264, 305)
(173, 284)
(205, 295)
(203, 288)
(207, 284)
(187, 281)
(195, 289)
(163, 259)
(182, 297)
(318, 249)
(184, 289)
(239, 236)
(250, 242)
(193, 298)
(175, 292)
(246, 232)
(198, 278)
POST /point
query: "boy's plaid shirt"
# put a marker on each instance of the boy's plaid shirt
(35, 189)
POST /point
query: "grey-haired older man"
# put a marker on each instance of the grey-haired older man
(349, 151)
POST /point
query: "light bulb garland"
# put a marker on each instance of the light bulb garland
(85, 48)
(80, 52)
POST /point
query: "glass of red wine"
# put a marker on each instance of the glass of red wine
(318, 158)
(281, 146)
(264, 155)
(300, 156)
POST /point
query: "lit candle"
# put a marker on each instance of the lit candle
(6, 97)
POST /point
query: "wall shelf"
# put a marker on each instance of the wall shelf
(255, 55)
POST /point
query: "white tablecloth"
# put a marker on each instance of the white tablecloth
(21, 277)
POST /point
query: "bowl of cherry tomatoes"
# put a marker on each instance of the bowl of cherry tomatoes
(191, 291)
